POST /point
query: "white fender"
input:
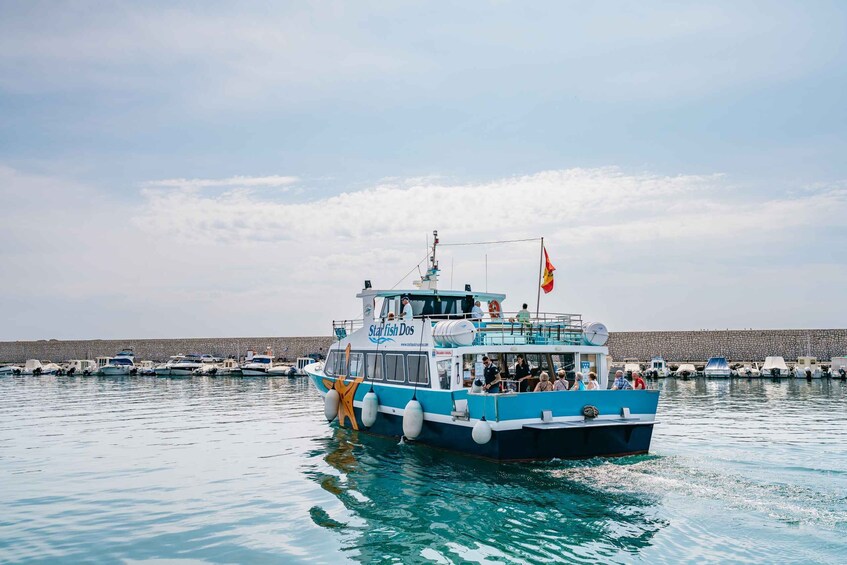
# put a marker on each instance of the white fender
(331, 404)
(481, 432)
(370, 408)
(413, 419)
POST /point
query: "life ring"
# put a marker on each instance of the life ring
(494, 309)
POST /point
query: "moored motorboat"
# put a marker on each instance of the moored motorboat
(10, 370)
(78, 367)
(121, 365)
(631, 366)
(748, 371)
(686, 371)
(421, 378)
(38, 367)
(717, 368)
(774, 367)
(658, 368)
(228, 368)
(807, 368)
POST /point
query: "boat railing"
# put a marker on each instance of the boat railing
(545, 328)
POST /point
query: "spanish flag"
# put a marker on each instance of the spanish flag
(547, 278)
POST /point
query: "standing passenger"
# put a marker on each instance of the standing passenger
(476, 312)
(524, 315)
(407, 309)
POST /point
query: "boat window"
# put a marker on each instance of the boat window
(395, 369)
(419, 369)
(356, 365)
(443, 369)
(331, 363)
(375, 366)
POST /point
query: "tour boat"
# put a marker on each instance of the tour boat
(774, 367)
(807, 368)
(717, 368)
(417, 378)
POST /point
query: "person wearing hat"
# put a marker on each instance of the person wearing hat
(407, 309)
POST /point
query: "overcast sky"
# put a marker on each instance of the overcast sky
(238, 169)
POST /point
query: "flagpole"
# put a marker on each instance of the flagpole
(540, 269)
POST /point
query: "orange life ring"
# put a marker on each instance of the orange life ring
(494, 309)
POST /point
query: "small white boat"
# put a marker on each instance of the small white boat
(10, 370)
(282, 370)
(146, 368)
(774, 367)
(257, 366)
(186, 366)
(838, 367)
(807, 368)
(658, 368)
(301, 363)
(80, 367)
(748, 371)
(631, 366)
(686, 371)
(36, 367)
(164, 369)
(229, 368)
(717, 368)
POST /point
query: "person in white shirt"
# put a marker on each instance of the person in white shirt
(407, 309)
(476, 312)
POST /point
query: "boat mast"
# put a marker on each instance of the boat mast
(430, 280)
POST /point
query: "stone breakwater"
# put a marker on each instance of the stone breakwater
(747, 345)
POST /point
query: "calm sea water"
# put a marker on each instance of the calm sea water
(247, 470)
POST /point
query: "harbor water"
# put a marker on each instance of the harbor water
(232, 470)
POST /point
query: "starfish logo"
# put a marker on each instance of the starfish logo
(346, 392)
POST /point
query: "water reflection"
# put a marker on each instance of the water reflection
(416, 501)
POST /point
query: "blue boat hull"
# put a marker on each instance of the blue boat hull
(525, 444)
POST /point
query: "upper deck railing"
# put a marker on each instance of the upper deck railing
(546, 328)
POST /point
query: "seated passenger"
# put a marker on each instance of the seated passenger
(544, 385)
(620, 382)
(577, 383)
(637, 382)
(592, 383)
(561, 381)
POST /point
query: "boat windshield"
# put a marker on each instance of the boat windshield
(260, 360)
(447, 306)
(121, 361)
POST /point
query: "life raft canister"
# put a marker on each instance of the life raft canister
(494, 309)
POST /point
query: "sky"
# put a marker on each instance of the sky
(193, 169)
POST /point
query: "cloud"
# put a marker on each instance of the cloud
(235, 182)
(634, 249)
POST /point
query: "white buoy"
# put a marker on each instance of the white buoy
(481, 432)
(413, 419)
(331, 404)
(370, 409)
